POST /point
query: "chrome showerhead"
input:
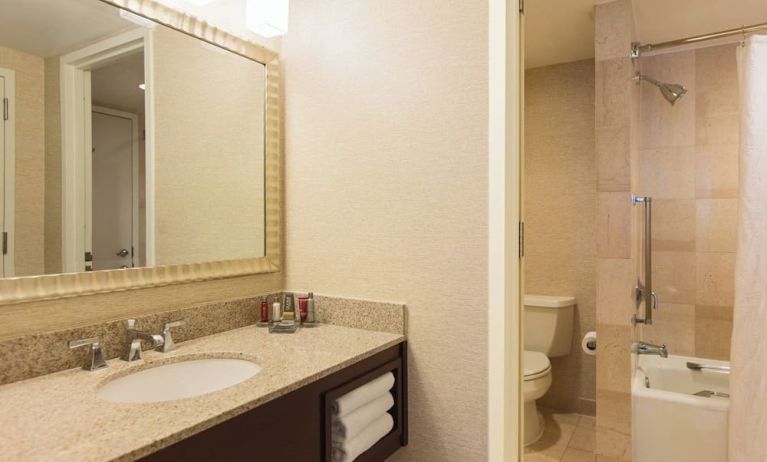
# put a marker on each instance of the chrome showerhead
(671, 91)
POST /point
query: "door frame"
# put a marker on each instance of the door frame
(8, 178)
(76, 107)
(505, 283)
(135, 251)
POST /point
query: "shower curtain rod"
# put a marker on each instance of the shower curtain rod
(637, 48)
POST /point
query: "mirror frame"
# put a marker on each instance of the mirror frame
(55, 286)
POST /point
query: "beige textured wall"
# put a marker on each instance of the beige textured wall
(560, 213)
(386, 190)
(30, 160)
(617, 131)
(53, 262)
(689, 165)
(209, 154)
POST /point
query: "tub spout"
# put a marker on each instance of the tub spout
(642, 348)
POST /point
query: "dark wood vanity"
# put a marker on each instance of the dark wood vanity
(296, 427)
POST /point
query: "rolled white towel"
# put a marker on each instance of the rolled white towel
(351, 449)
(350, 425)
(362, 395)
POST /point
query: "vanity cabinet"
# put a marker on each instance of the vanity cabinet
(296, 427)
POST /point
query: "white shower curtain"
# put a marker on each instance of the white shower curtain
(748, 357)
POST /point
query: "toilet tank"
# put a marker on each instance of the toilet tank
(549, 324)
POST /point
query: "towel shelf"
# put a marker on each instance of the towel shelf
(397, 437)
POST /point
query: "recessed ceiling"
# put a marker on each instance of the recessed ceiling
(54, 27)
(558, 31)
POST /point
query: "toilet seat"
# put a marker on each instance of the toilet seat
(536, 365)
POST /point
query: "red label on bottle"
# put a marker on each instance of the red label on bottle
(303, 306)
(264, 311)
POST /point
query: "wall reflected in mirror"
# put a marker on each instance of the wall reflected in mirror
(124, 143)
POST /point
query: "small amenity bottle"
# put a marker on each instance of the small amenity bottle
(263, 320)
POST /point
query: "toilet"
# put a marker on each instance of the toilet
(548, 334)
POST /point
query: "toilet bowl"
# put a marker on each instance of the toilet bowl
(536, 383)
(548, 334)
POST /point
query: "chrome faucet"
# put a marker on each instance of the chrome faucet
(95, 359)
(642, 348)
(135, 337)
(168, 344)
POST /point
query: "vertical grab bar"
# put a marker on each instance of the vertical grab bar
(645, 292)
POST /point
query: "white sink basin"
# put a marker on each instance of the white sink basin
(178, 380)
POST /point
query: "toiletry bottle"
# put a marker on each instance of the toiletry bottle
(289, 310)
(303, 308)
(311, 315)
(276, 312)
(264, 314)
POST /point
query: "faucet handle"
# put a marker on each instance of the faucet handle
(96, 358)
(168, 345)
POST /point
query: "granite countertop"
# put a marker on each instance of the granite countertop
(59, 417)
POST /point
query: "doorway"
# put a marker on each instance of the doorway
(114, 225)
(105, 96)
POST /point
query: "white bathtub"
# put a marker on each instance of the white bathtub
(670, 423)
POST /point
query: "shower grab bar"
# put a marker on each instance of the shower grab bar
(700, 366)
(644, 291)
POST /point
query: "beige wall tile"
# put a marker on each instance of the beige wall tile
(613, 92)
(716, 225)
(716, 80)
(614, 365)
(664, 125)
(716, 171)
(614, 225)
(673, 224)
(613, 151)
(613, 32)
(673, 325)
(713, 331)
(715, 274)
(667, 173)
(613, 436)
(718, 129)
(674, 277)
(615, 296)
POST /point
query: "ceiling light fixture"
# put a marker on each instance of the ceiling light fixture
(268, 18)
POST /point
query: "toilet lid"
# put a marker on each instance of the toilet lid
(535, 364)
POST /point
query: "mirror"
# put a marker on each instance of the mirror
(124, 143)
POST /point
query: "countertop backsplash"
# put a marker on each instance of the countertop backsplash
(38, 354)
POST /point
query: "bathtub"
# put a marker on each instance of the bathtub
(669, 422)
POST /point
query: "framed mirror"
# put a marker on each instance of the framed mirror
(138, 149)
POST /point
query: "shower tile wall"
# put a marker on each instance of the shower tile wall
(617, 131)
(560, 214)
(689, 165)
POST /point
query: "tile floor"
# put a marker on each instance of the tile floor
(567, 438)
